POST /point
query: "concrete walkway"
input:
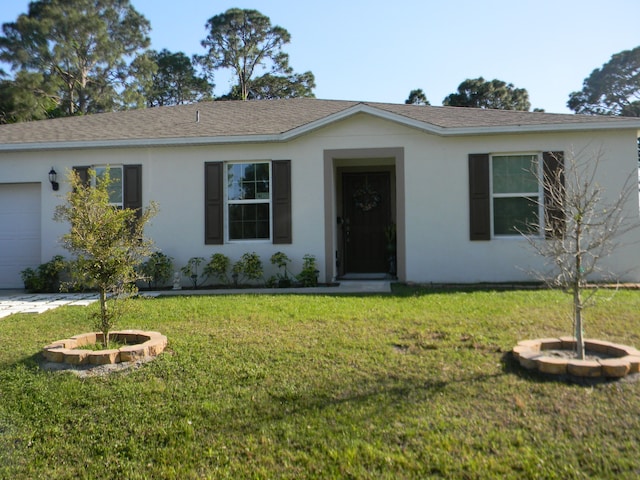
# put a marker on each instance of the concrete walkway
(16, 301)
(12, 302)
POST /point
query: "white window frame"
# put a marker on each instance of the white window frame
(228, 203)
(539, 194)
(96, 168)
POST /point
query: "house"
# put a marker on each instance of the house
(326, 178)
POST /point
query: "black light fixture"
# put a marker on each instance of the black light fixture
(53, 178)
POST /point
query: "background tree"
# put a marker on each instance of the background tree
(108, 243)
(176, 81)
(581, 228)
(243, 41)
(77, 54)
(417, 97)
(613, 89)
(495, 94)
(270, 87)
(27, 97)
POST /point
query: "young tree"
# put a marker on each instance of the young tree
(176, 81)
(82, 49)
(108, 242)
(417, 97)
(243, 40)
(581, 228)
(613, 89)
(496, 94)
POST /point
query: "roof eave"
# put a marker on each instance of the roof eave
(142, 143)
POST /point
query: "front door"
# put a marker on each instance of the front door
(366, 216)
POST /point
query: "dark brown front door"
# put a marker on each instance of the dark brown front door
(367, 213)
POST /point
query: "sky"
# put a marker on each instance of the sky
(380, 50)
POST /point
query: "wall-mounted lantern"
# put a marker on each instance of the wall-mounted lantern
(53, 178)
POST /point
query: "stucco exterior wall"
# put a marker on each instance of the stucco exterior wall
(435, 180)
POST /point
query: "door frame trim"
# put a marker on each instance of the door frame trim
(330, 158)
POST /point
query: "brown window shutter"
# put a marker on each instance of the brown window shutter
(281, 201)
(553, 185)
(213, 204)
(479, 197)
(132, 185)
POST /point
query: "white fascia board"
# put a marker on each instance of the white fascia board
(546, 128)
(141, 143)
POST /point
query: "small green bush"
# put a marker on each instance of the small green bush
(282, 279)
(309, 274)
(248, 268)
(191, 270)
(218, 268)
(45, 278)
(157, 269)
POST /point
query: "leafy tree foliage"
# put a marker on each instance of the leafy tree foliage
(243, 41)
(81, 56)
(495, 94)
(108, 243)
(27, 97)
(613, 89)
(270, 87)
(176, 81)
(417, 97)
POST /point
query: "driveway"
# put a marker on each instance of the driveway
(11, 303)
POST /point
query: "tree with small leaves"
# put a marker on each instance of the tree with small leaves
(84, 56)
(613, 89)
(417, 97)
(175, 81)
(244, 41)
(494, 94)
(107, 242)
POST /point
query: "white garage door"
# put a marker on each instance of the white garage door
(19, 231)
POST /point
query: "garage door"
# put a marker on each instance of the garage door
(19, 231)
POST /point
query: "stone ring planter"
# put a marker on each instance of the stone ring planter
(140, 345)
(608, 360)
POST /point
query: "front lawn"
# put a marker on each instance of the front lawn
(417, 384)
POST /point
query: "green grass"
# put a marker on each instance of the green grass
(417, 384)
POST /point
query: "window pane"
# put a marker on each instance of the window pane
(512, 216)
(234, 179)
(248, 181)
(249, 221)
(115, 187)
(515, 174)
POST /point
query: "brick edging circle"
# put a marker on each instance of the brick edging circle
(140, 344)
(622, 359)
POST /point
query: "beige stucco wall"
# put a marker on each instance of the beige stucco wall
(435, 178)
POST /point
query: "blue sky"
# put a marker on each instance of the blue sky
(379, 50)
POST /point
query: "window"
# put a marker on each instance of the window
(510, 194)
(248, 201)
(126, 187)
(116, 190)
(516, 194)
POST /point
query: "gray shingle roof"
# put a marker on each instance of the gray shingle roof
(272, 119)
